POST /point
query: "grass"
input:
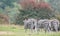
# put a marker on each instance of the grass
(19, 31)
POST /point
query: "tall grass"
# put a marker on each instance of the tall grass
(19, 31)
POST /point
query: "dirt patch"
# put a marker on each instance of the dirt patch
(6, 33)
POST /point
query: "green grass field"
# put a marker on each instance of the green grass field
(16, 30)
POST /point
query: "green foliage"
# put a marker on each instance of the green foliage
(32, 11)
(10, 8)
(40, 13)
(1, 10)
(17, 12)
(7, 3)
(56, 6)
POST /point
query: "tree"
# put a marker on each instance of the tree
(37, 8)
(34, 9)
(10, 9)
(56, 6)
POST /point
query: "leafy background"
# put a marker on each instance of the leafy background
(14, 11)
